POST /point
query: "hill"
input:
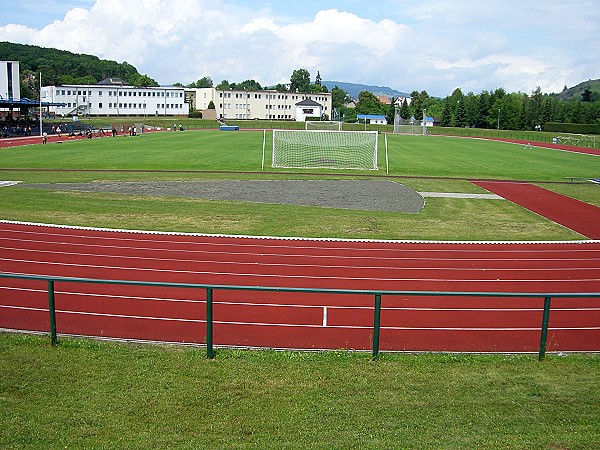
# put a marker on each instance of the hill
(353, 89)
(63, 67)
(575, 92)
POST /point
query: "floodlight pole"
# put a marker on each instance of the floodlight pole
(424, 123)
(498, 118)
(41, 132)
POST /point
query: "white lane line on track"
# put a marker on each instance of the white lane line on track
(289, 255)
(308, 325)
(302, 306)
(119, 316)
(265, 242)
(265, 264)
(305, 277)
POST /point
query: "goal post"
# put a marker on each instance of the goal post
(330, 125)
(321, 149)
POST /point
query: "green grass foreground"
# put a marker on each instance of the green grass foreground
(431, 163)
(89, 394)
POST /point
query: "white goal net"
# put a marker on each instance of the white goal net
(323, 125)
(302, 149)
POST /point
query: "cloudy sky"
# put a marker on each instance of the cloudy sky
(434, 45)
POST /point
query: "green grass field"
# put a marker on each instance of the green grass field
(432, 163)
(88, 394)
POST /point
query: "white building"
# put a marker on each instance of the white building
(373, 119)
(10, 86)
(265, 104)
(401, 99)
(111, 97)
(428, 121)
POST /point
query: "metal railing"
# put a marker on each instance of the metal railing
(377, 296)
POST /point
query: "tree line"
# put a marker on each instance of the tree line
(488, 109)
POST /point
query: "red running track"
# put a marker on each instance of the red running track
(293, 320)
(579, 216)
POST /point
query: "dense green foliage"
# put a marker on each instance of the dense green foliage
(575, 128)
(62, 67)
(496, 109)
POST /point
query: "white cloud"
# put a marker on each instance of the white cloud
(437, 45)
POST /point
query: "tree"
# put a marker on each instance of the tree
(460, 116)
(484, 109)
(416, 103)
(473, 113)
(204, 82)
(446, 120)
(349, 114)
(89, 80)
(368, 103)
(318, 79)
(404, 110)
(249, 85)
(144, 81)
(339, 97)
(391, 111)
(223, 85)
(300, 80)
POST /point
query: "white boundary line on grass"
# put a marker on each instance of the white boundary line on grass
(290, 238)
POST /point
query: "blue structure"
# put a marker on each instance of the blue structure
(229, 128)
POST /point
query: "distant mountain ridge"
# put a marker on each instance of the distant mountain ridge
(576, 91)
(353, 89)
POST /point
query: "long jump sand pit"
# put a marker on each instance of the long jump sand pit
(369, 195)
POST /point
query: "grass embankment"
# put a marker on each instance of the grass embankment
(88, 394)
(423, 163)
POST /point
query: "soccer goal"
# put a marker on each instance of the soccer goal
(321, 149)
(323, 125)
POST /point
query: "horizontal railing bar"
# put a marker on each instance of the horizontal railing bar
(301, 290)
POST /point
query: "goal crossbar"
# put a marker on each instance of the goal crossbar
(323, 125)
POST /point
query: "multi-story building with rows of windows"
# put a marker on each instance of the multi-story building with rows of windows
(265, 104)
(112, 97)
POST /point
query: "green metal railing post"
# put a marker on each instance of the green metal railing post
(545, 321)
(209, 324)
(52, 312)
(376, 325)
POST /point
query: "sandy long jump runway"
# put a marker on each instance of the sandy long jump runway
(293, 320)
